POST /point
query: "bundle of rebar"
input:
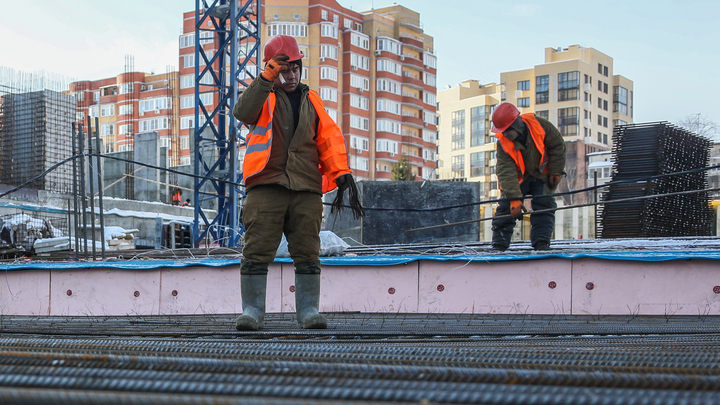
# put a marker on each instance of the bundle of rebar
(657, 159)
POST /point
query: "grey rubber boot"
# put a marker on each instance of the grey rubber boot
(307, 301)
(252, 289)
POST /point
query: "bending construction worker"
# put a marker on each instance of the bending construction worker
(530, 161)
(295, 153)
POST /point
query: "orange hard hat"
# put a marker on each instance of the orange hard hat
(282, 44)
(504, 116)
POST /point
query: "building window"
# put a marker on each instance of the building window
(360, 102)
(125, 109)
(359, 122)
(600, 68)
(328, 94)
(429, 79)
(605, 122)
(292, 29)
(568, 121)
(107, 129)
(389, 85)
(605, 139)
(329, 30)
(569, 86)
(599, 119)
(620, 100)
(478, 125)
(360, 82)
(360, 40)
(605, 105)
(393, 127)
(324, 14)
(388, 106)
(523, 85)
(384, 145)
(329, 51)
(542, 89)
(187, 40)
(389, 45)
(605, 71)
(543, 114)
(359, 62)
(599, 102)
(107, 110)
(328, 73)
(385, 65)
(359, 143)
(458, 130)
(605, 88)
(477, 164)
(429, 98)
(189, 60)
(523, 102)
(599, 136)
(600, 85)
(458, 165)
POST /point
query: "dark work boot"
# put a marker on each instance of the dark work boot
(252, 289)
(542, 245)
(307, 301)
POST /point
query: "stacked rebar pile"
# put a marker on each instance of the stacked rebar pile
(647, 156)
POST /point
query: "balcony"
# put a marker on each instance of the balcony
(411, 81)
(407, 60)
(414, 101)
(415, 121)
(416, 43)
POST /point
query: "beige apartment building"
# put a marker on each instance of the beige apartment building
(576, 89)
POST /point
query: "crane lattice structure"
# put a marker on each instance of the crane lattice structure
(231, 25)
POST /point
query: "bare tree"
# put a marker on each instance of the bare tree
(700, 125)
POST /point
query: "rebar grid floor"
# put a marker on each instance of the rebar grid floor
(362, 358)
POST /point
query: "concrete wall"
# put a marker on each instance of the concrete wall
(558, 286)
(387, 227)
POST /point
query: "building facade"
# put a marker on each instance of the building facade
(375, 72)
(576, 89)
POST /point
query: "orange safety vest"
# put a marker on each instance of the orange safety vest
(538, 136)
(330, 143)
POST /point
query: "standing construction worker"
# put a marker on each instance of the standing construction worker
(530, 161)
(295, 153)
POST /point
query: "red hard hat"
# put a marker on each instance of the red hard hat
(503, 116)
(282, 44)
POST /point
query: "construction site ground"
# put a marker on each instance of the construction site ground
(361, 359)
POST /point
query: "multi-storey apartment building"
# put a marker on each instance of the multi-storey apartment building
(375, 72)
(131, 103)
(575, 88)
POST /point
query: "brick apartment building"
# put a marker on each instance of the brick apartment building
(374, 70)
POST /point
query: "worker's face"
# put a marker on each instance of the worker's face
(515, 129)
(511, 134)
(291, 76)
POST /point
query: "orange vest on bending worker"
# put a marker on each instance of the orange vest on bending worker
(330, 143)
(538, 136)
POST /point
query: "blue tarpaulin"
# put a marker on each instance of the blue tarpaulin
(654, 256)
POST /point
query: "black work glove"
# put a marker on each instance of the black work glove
(346, 182)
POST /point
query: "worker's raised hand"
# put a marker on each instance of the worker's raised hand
(273, 67)
(554, 180)
(517, 208)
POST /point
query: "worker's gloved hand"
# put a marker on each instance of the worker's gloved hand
(273, 67)
(517, 208)
(554, 180)
(343, 182)
(346, 182)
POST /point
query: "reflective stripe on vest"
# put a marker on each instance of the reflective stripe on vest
(259, 141)
(330, 143)
(538, 136)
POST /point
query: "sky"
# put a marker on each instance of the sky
(669, 49)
